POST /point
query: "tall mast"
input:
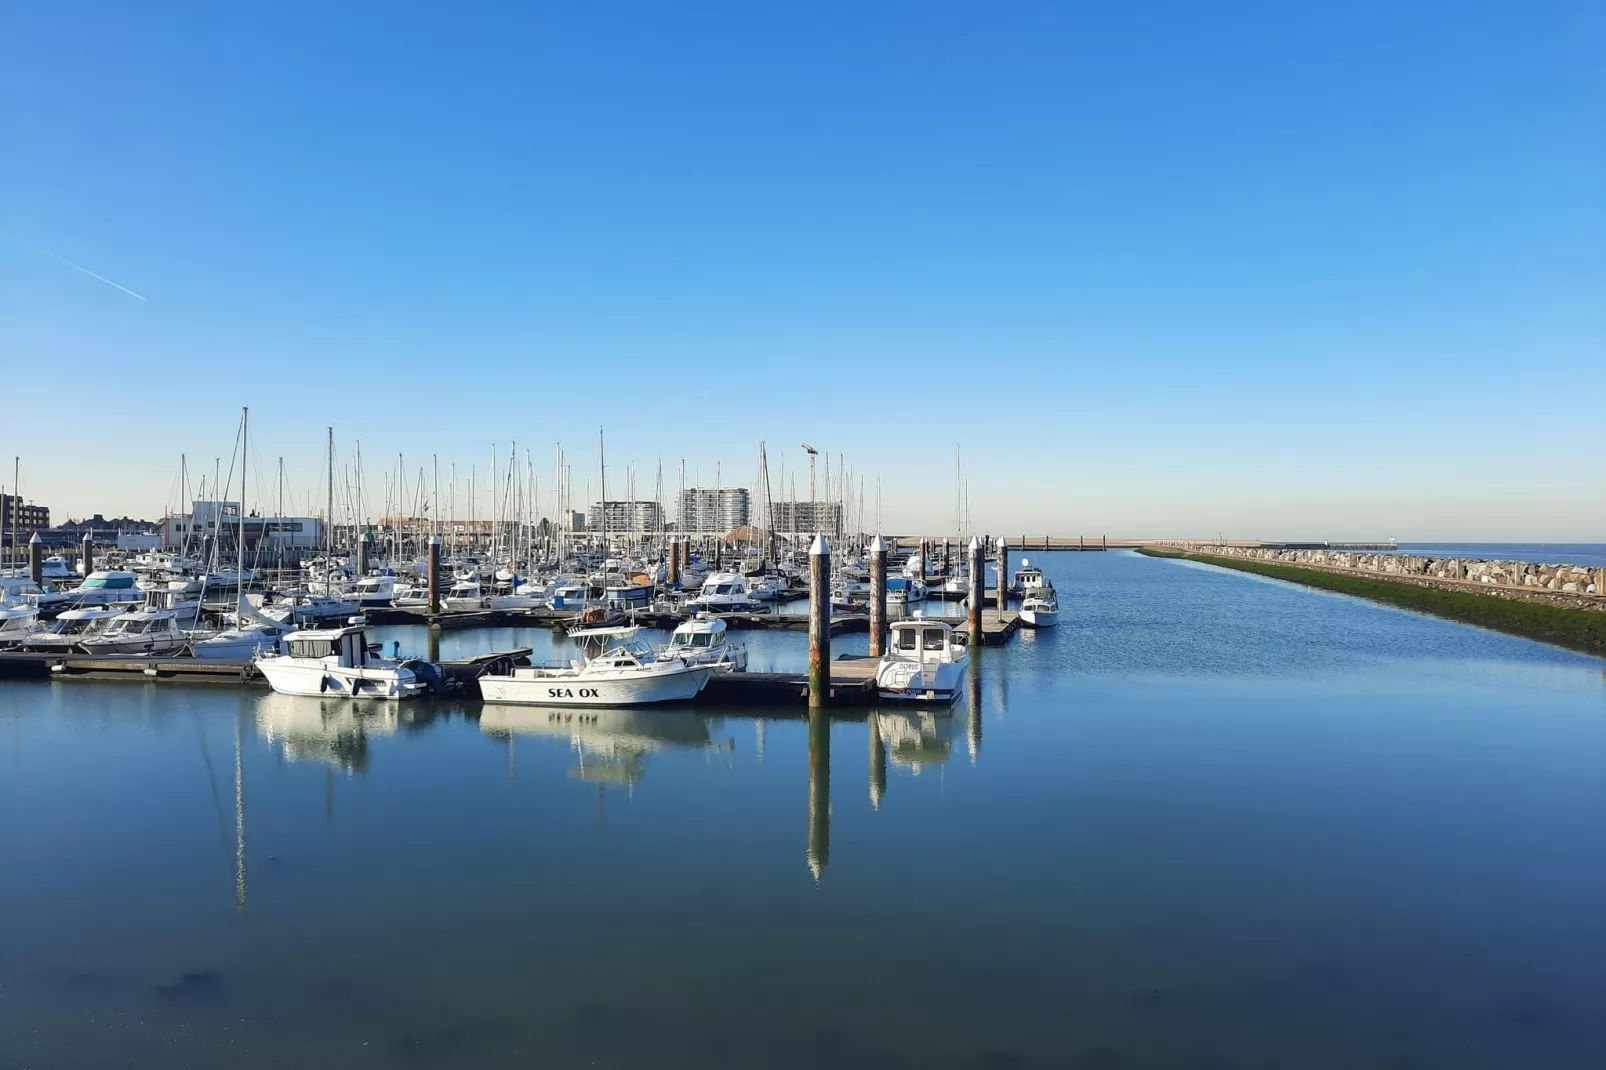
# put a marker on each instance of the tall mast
(602, 474)
(239, 564)
(329, 517)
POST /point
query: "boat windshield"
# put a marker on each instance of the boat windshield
(935, 639)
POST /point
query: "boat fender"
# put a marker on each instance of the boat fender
(323, 684)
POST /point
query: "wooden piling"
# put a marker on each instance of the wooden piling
(674, 563)
(878, 598)
(434, 577)
(87, 550)
(973, 724)
(819, 623)
(978, 589)
(36, 559)
(1003, 577)
(362, 556)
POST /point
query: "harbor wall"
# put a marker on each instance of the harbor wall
(1586, 584)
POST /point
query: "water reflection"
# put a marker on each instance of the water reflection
(916, 738)
(334, 731)
(878, 763)
(610, 746)
(819, 846)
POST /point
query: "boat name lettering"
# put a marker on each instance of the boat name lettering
(564, 692)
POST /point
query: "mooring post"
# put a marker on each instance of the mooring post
(819, 845)
(674, 563)
(1003, 578)
(1106, 540)
(878, 598)
(978, 588)
(819, 623)
(87, 550)
(36, 560)
(434, 577)
(362, 556)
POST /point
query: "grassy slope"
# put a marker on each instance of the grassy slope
(1577, 629)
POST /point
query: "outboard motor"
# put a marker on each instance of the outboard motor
(431, 674)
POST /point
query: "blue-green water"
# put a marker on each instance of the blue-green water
(1212, 821)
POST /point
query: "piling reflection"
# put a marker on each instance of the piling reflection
(878, 762)
(819, 846)
(330, 730)
(973, 715)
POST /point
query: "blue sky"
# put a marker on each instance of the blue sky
(1267, 269)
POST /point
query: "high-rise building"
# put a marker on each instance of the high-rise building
(26, 518)
(713, 511)
(803, 518)
(625, 517)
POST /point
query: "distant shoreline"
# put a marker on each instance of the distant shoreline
(1583, 630)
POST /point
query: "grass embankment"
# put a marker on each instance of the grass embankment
(1576, 629)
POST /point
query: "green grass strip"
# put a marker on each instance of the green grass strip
(1576, 629)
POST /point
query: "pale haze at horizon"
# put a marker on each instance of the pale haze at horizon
(1258, 271)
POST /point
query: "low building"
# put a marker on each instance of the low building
(806, 518)
(261, 533)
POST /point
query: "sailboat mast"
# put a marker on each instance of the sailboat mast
(239, 564)
(329, 517)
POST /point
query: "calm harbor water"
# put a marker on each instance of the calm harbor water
(1213, 820)
(1592, 554)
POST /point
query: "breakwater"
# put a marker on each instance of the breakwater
(1579, 624)
(1498, 577)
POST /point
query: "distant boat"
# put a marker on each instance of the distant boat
(706, 641)
(1041, 608)
(70, 628)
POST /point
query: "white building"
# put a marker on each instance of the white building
(711, 511)
(625, 517)
(261, 533)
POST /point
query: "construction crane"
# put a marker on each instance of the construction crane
(812, 452)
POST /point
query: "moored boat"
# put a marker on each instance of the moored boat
(925, 662)
(626, 673)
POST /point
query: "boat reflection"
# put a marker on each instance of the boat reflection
(334, 731)
(916, 738)
(610, 745)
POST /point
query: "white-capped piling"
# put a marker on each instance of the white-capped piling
(36, 560)
(819, 622)
(978, 587)
(1003, 578)
(878, 598)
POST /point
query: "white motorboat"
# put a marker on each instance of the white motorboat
(70, 628)
(1028, 578)
(626, 673)
(54, 567)
(925, 662)
(724, 592)
(302, 608)
(374, 592)
(464, 596)
(103, 588)
(706, 641)
(20, 587)
(905, 590)
(410, 596)
(143, 631)
(252, 634)
(337, 661)
(528, 597)
(17, 621)
(1041, 607)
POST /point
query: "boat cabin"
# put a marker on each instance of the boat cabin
(1028, 578)
(922, 639)
(348, 645)
(697, 635)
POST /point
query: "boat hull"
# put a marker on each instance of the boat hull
(295, 676)
(898, 680)
(535, 689)
(1040, 618)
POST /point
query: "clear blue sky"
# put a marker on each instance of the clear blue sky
(1270, 269)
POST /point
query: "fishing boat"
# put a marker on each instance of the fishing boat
(1041, 607)
(627, 672)
(925, 662)
(338, 661)
(70, 628)
(1028, 578)
(706, 641)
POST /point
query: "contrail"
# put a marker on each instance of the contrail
(92, 275)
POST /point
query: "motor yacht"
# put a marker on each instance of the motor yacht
(925, 662)
(627, 672)
(338, 661)
(706, 641)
